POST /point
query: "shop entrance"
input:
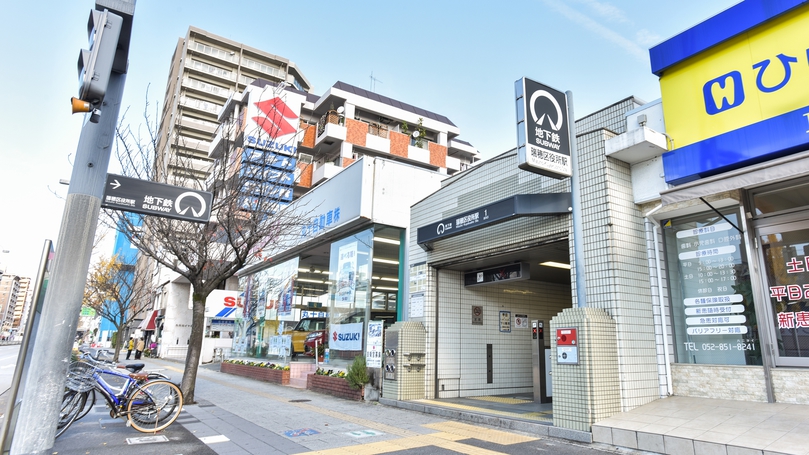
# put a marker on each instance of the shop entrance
(484, 330)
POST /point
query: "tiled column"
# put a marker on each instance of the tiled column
(589, 391)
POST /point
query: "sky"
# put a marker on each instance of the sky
(455, 58)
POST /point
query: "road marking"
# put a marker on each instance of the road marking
(214, 439)
(147, 439)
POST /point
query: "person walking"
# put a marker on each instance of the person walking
(139, 348)
(130, 345)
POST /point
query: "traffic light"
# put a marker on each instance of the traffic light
(95, 64)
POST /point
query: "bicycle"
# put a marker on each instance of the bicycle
(148, 401)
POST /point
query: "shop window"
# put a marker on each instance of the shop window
(712, 310)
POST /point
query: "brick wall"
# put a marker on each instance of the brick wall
(330, 385)
(398, 143)
(356, 132)
(310, 131)
(438, 154)
(258, 373)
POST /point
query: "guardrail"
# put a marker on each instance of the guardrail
(174, 352)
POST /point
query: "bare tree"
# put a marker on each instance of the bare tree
(249, 213)
(117, 292)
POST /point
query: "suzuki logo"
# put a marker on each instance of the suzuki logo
(717, 90)
(274, 121)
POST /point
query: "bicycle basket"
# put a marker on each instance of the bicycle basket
(80, 377)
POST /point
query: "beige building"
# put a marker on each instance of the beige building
(206, 69)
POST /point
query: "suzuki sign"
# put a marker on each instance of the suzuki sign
(223, 305)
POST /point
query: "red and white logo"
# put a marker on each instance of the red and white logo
(274, 121)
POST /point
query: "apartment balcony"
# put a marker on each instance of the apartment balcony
(198, 67)
(225, 138)
(204, 88)
(637, 145)
(193, 145)
(325, 172)
(198, 126)
(200, 106)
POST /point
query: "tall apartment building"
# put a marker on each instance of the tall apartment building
(23, 300)
(9, 289)
(205, 70)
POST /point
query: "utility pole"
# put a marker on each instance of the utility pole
(102, 74)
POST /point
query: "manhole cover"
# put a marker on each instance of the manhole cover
(299, 401)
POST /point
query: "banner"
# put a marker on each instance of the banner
(346, 337)
(346, 275)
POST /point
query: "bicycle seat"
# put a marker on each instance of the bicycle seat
(133, 367)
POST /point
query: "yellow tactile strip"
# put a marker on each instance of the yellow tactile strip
(446, 436)
(449, 433)
(503, 400)
(538, 416)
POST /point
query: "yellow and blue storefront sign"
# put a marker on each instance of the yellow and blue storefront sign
(735, 88)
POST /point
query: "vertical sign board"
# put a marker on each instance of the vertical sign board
(567, 346)
(543, 134)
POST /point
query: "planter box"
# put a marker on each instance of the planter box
(258, 373)
(330, 385)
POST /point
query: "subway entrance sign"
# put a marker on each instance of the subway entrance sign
(159, 199)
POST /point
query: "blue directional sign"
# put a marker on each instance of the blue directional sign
(159, 199)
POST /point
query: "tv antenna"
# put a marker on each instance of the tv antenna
(374, 81)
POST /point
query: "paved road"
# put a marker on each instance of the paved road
(235, 415)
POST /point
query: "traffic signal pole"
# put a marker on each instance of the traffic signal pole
(45, 384)
(102, 74)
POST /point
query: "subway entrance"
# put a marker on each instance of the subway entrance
(492, 329)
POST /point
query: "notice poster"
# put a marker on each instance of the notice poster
(346, 275)
(373, 349)
(708, 256)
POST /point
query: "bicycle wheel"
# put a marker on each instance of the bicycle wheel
(72, 403)
(154, 406)
(89, 402)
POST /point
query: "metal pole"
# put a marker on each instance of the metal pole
(39, 412)
(575, 189)
(30, 328)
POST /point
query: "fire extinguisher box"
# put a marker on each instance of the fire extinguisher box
(567, 346)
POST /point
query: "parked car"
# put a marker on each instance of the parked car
(302, 329)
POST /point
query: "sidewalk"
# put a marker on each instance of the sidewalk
(236, 415)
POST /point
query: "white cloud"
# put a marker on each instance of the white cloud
(593, 26)
(646, 38)
(605, 10)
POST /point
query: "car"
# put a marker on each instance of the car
(301, 330)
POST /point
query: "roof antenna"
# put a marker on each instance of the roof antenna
(374, 81)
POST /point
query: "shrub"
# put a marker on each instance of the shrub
(357, 375)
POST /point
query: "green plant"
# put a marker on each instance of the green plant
(321, 350)
(405, 128)
(422, 132)
(357, 375)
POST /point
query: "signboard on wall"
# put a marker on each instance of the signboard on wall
(543, 136)
(509, 272)
(734, 91)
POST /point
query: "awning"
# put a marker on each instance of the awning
(148, 323)
(767, 172)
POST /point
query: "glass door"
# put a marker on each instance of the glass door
(785, 262)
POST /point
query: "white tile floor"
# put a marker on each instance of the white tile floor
(702, 426)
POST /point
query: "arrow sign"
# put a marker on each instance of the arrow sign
(159, 199)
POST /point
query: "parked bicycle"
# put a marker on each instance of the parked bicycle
(148, 401)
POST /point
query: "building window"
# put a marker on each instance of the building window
(262, 67)
(712, 311)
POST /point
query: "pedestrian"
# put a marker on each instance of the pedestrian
(130, 345)
(139, 348)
